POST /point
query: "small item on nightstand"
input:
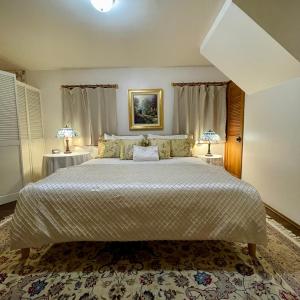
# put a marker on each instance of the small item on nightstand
(55, 151)
(209, 137)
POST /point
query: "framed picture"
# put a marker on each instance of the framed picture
(145, 109)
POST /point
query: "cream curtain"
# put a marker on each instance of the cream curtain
(198, 109)
(90, 111)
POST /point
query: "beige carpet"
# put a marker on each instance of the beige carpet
(153, 270)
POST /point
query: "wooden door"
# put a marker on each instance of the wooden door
(235, 126)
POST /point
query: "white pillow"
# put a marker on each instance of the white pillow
(145, 153)
(107, 136)
(167, 137)
(128, 137)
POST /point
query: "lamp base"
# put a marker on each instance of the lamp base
(67, 151)
(209, 154)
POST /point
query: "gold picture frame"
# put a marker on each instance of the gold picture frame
(146, 109)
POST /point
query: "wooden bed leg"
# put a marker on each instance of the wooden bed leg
(25, 253)
(252, 250)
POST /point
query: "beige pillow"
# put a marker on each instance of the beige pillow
(164, 147)
(126, 148)
(181, 148)
(109, 148)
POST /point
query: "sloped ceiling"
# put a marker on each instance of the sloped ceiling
(246, 53)
(280, 18)
(61, 34)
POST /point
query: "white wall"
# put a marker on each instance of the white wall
(127, 78)
(246, 53)
(271, 159)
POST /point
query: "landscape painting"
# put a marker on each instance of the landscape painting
(145, 109)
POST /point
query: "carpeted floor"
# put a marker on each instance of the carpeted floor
(152, 270)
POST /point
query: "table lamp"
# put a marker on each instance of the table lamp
(209, 137)
(66, 133)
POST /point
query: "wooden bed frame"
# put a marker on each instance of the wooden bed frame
(251, 251)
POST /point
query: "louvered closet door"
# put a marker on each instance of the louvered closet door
(24, 134)
(35, 131)
(235, 125)
(10, 163)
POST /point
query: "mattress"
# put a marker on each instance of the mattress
(115, 200)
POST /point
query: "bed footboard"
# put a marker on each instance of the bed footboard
(25, 253)
(252, 250)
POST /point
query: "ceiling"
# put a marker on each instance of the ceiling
(280, 18)
(62, 34)
(262, 62)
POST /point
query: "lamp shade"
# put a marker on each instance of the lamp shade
(66, 132)
(210, 137)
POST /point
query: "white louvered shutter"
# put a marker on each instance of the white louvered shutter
(22, 112)
(35, 131)
(11, 180)
(35, 115)
(8, 111)
(24, 134)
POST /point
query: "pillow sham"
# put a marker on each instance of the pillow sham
(164, 147)
(181, 148)
(167, 137)
(107, 137)
(149, 153)
(128, 137)
(109, 148)
(126, 148)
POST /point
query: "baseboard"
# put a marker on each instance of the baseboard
(283, 217)
(9, 198)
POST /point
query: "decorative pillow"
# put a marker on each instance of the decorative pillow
(145, 153)
(164, 147)
(107, 136)
(128, 137)
(167, 137)
(181, 148)
(109, 148)
(126, 148)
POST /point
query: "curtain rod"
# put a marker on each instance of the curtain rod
(199, 83)
(93, 86)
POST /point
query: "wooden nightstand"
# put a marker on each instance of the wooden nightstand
(216, 159)
(52, 162)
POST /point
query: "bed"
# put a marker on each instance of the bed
(119, 200)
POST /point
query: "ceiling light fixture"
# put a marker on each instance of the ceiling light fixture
(103, 5)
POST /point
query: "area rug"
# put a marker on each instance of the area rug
(165, 270)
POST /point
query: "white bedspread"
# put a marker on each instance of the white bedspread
(114, 200)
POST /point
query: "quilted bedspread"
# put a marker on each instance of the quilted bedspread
(130, 202)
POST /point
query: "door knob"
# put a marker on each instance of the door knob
(239, 139)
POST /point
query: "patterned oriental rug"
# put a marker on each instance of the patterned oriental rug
(152, 270)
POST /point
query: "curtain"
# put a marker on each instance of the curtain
(90, 111)
(198, 109)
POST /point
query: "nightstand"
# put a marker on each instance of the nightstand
(52, 162)
(216, 159)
